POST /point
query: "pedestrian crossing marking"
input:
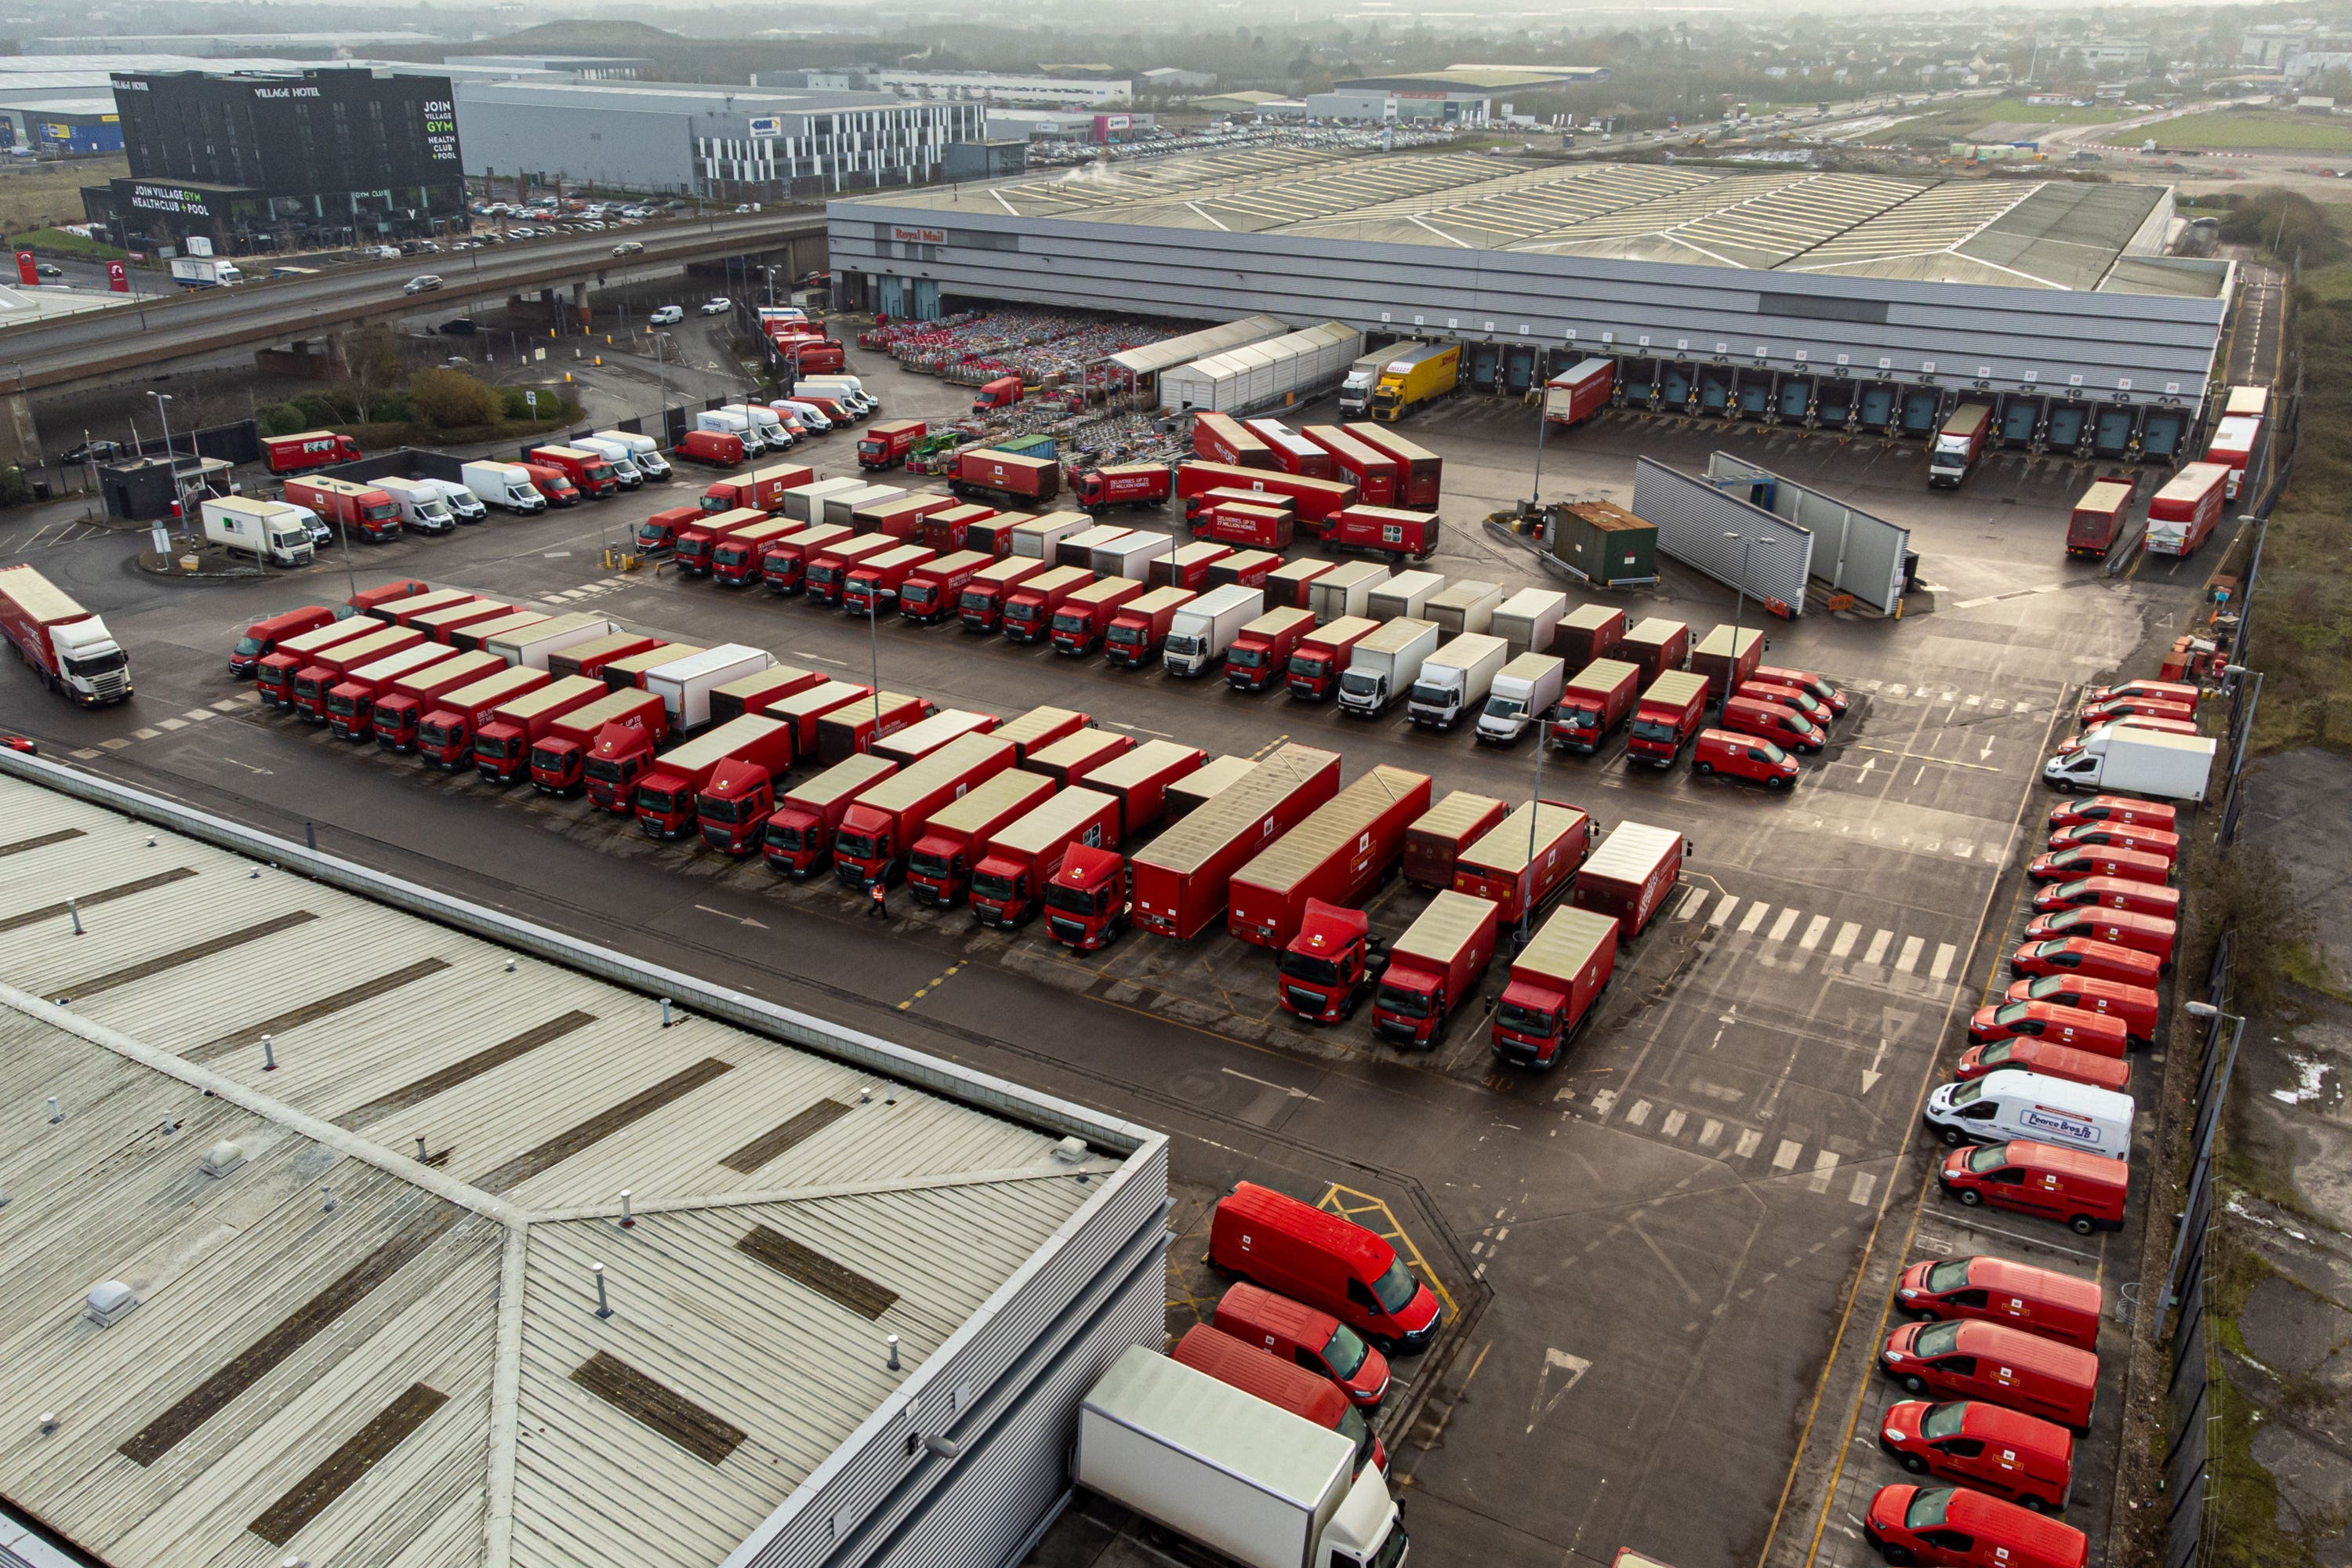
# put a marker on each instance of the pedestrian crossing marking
(1942, 966)
(1673, 1125)
(1845, 943)
(1708, 1133)
(1785, 1157)
(1639, 1114)
(1723, 906)
(1878, 946)
(1756, 913)
(84, 754)
(1865, 1183)
(197, 714)
(1825, 1164)
(170, 724)
(1812, 937)
(1603, 1100)
(1910, 955)
(1694, 900)
(1782, 927)
(116, 745)
(1749, 1138)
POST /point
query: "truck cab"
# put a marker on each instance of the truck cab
(611, 768)
(1087, 900)
(1332, 964)
(657, 535)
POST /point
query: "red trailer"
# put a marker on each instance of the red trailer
(696, 541)
(1655, 647)
(988, 473)
(1579, 392)
(405, 610)
(1141, 626)
(1262, 650)
(591, 657)
(1256, 527)
(757, 693)
(1323, 654)
(902, 517)
(1594, 703)
(875, 581)
(1378, 476)
(1249, 568)
(1433, 968)
(1188, 565)
(559, 754)
(1630, 875)
(1039, 728)
(1293, 453)
(1335, 853)
(2183, 514)
(328, 666)
(887, 444)
(798, 838)
(1385, 531)
(920, 738)
(1555, 982)
(1221, 439)
(503, 738)
(1072, 759)
(400, 709)
(944, 531)
(882, 824)
(1314, 501)
(1139, 780)
(1435, 842)
(666, 795)
(1182, 878)
(850, 727)
(1587, 633)
(1029, 609)
(2098, 518)
(350, 700)
(1098, 489)
(1421, 469)
(939, 865)
(763, 489)
(1518, 864)
(1009, 881)
(930, 593)
(783, 562)
(982, 605)
(445, 736)
(372, 601)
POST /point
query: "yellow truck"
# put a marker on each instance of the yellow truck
(1413, 377)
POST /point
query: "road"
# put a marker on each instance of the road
(1650, 1250)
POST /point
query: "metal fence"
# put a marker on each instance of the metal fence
(1861, 555)
(1740, 544)
(2192, 1387)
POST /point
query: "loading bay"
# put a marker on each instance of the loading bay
(1650, 1250)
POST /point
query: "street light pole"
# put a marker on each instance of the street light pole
(1543, 421)
(179, 496)
(1535, 816)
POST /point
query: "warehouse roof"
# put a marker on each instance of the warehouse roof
(347, 1309)
(2037, 234)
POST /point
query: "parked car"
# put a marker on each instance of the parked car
(91, 452)
(717, 307)
(667, 316)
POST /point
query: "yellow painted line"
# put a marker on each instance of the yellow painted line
(1268, 746)
(932, 984)
(1335, 1200)
(1924, 757)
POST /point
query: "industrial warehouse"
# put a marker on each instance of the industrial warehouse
(1889, 299)
(366, 1226)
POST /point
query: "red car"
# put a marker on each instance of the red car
(2053, 1024)
(2143, 707)
(2097, 860)
(1743, 757)
(1806, 681)
(2134, 1004)
(2074, 953)
(2110, 895)
(2051, 1061)
(2119, 810)
(1803, 701)
(2010, 1455)
(2118, 835)
(1946, 1527)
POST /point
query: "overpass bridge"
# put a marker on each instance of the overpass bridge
(66, 350)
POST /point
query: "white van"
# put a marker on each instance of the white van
(2013, 1103)
(846, 389)
(643, 450)
(504, 485)
(463, 504)
(811, 417)
(245, 527)
(765, 420)
(422, 509)
(733, 421)
(624, 465)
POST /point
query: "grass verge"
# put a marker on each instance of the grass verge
(58, 242)
(2254, 130)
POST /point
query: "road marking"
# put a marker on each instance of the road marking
(1812, 937)
(171, 723)
(84, 754)
(1750, 1140)
(1337, 1200)
(1785, 1157)
(1825, 1164)
(1878, 946)
(1639, 1114)
(1671, 1127)
(116, 745)
(1290, 1089)
(739, 920)
(1688, 906)
(1865, 1183)
(1910, 955)
(1723, 908)
(231, 704)
(1782, 927)
(1709, 1132)
(1922, 759)
(1555, 1361)
(1942, 966)
(198, 714)
(1756, 913)
(1603, 1101)
(1845, 943)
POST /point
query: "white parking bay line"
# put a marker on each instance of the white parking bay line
(1756, 913)
(1750, 1139)
(1723, 908)
(1785, 1157)
(1845, 943)
(1780, 927)
(1910, 955)
(1944, 954)
(1865, 1183)
(1878, 946)
(1812, 937)
(1825, 1166)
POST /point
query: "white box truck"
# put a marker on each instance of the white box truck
(844, 389)
(1406, 593)
(766, 421)
(623, 461)
(1527, 618)
(685, 685)
(1456, 679)
(1232, 1472)
(1525, 690)
(506, 486)
(422, 507)
(1132, 553)
(644, 450)
(1464, 606)
(533, 646)
(2137, 762)
(736, 423)
(1386, 664)
(205, 272)
(1041, 537)
(806, 503)
(843, 506)
(1344, 589)
(1203, 632)
(252, 528)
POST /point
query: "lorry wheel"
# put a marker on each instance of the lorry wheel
(1702, 769)
(1970, 1198)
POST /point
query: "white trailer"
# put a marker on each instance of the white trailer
(1525, 690)
(806, 503)
(685, 685)
(1295, 366)
(1132, 557)
(1202, 631)
(1467, 605)
(533, 646)
(1345, 590)
(1406, 593)
(2137, 762)
(1041, 537)
(1527, 618)
(843, 506)
(1455, 680)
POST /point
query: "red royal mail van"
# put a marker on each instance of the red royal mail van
(1308, 1254)
(2053, 1024)
(2105, 893)
(2089, 959)
(2083, 1191)
(2099, 860)
(1280, 1382)
(1948, 1526)
(1294, 1331)
(1773, 721)
(1988, 1360)
(2118, 835)
(2134, 1004)
(2051, 1061)
(2115, 808)
(1994, 1291)
(2010, 1455)
(1743, 757)
(2151, 935)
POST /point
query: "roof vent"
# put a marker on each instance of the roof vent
(108, 1301)
(1070, 1151)
(222, 1158)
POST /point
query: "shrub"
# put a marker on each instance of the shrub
(284, 419)
(517, 406)
(318, 408)
(451, 400)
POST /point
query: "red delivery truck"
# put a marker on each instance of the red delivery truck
(443, 626)
(560, 757)
(1629, 875)
(882, 824)
(855, 727)
(664, 795)
(900, 517)
(875, 581)
(1433, 843)
(1039, 728)
(1029, 609)
(1293, 453)
(1667, 718)
(2098, 518)
(1329, 964)
(1316, 501)
(944, 531)
(763, 489)
(1587, 633)
(1221, 439)
(1727, 656)
(1385, 531)
(884, 443)
(931, 592)
(1187, 566)
(2232, 447)
(1084, 618)
(1139, 780)
(503, 742)
(1579, 392)
(590, 474)
(310, 449)
(805, 707)
(620, 755)
(1377, 478)
(1526, 858)
(1181, 878)
(1421, 473)
(329, 665)
(350, 700)
(273, 672)
(551, 482)
(1073, 758)
(1246, 524)
(2183, 514)
(920, 738)
(991, 475)
(1098, 489)
(734, 806)
(696, 541)
(1594, 703)
(1248, 568)
(826, 576)
(798, 839)
(735, 558)
(1199, 508)
(445, 736)
(1262, 650)
(783, 562)
(1087, 902)
(939, 866)
(1656, 645)
(363, 508)
(717, 449)
(757, 692)
(1335, 853)
(1024, 858)
(373, 601)
(1556, 981)
(405, 610)
(1322, 657)
(980, 606)
(658, 534)
(627, 670)
(1433, 968)
(1288, 583)
(1135, 634)
(992, 535)
(401, 708)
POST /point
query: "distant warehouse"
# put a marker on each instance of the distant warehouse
(1772, 294)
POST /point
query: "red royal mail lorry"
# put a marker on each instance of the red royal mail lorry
(885, 445)
(1656, 645)
(401, 708)
(664, 795)
(560, 757)
(1246, 524)
(1181, 878)
(698, 542)
(1315, 501)
(1033, 731)
(933, 590)
(2182, 516)
(882, 824)
(1098, 489)
(763, 489)
(1433, 968)
(1587, 633)
(362, 509)
(1293, 453)
(736, 559)
(939, 866)
(1434, 841)
(1385, 531)
(351, 701)
(1556, 982)
(1188, 565)
(1023, 858)
(329, 665)
(310, 449)
(1596, 699)
(1262, 650)
(876, 582)
(1329, 964)
(445, 735)
(1630, 874)
(1322, 655)
(1421, 472)
(1336, 855)
(1135, 634)
(784, 561)
(798, 838)
(1084, 619)
(273, 672)
(503, 742)
(1030, 608)
(1072, 759)
(948, 530)
(1727, 656)
(1377, 475)
(980, 606)
(2098, 518)
(826, 576)
(1668, 718)
(1221, 439)
(1526, 858)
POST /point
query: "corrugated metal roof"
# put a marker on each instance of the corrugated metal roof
(1344, 816)
(1504, 846)
(415, 1371)
(1630, 850)
(1186, 847)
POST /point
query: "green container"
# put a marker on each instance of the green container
(1606, 545)
(1039, 445)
